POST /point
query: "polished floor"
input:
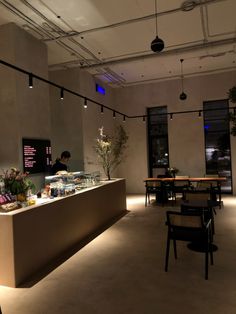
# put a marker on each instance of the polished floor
(122, 271)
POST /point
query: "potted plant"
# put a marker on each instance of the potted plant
(172, 171)
(110, 149)
(17, 183)
(232, 116)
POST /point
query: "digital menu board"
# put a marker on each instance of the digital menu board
(37, 155)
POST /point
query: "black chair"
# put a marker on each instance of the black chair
(152, 187)
(191, 228)
(213, 187)
(180, 187)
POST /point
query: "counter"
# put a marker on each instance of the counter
(34, 236)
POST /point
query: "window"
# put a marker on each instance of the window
(157, 139)
(217, 140)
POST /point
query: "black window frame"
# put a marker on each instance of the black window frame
(150, 137)
(226, 101)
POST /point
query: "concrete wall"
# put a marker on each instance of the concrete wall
(73, 127)
(186, 132)
(24, 112)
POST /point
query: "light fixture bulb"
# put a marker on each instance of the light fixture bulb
(182, 96)
(157, 45)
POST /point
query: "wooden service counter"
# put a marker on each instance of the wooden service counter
(34, 236)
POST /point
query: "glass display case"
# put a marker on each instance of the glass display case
(68, 183)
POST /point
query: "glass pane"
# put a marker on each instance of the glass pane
(157, 139)
(217, 141)
(160, 152)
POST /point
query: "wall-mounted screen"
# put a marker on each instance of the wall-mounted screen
(37, 155)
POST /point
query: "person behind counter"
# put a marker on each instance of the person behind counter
(61, 163)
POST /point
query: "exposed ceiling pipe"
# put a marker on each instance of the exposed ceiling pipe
(126, 22)
(24, 17)
(166, 52)
(174, 77)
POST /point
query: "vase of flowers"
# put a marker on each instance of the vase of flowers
(110, 149)
(18, 184)
(172, 171)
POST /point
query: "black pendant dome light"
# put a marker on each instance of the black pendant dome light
(157, 44)
(182, 96)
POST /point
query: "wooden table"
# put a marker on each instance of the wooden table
(191, 179)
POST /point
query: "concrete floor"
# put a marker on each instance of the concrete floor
(122, 271)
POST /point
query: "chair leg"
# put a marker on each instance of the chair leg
(206, 260)
(210, 247)
(175, 250)
(167, 253)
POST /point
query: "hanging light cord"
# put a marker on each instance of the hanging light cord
(182, 77)
(156, 14)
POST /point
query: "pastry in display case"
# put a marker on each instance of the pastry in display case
(66, 183)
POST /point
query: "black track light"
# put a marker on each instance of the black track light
(85, 103)
(30, 80)
(102, 110)
(199, 113)
(144, 119)
(114, 114)
(171, 116)
(124, 118)
(62, 94)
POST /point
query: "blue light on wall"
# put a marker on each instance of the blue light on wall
(100, 89)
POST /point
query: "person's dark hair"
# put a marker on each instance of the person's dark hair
(65, 154)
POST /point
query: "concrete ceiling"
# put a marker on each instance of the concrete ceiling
(111, 39)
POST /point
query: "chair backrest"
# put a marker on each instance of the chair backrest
(152, 184)
(204, 185)
(181, 183)
(184, 220)
(197, 196)
(182, 177)
(211, 176)
(212, 183)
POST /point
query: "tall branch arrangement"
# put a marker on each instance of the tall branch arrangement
(232, 116)
(110, 149)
